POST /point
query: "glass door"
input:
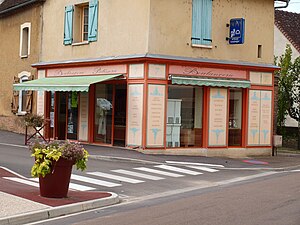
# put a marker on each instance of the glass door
(72, 119)
(120, 115)
(61, 115)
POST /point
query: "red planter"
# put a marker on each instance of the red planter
(56, 184)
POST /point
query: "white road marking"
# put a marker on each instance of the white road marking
(79, 187)
(159, 172)
(180, 170)
(22, 181)
(203, 168)
(115, 177)
(76, 187)
(94, 181)
(136, 174)
(195, 164)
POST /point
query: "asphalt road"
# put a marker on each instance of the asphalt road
(272, 200)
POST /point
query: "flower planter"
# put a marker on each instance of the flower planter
(56, 184)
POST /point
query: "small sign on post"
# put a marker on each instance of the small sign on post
(237, 31)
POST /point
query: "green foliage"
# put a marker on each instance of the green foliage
(43, 160)
(285, 84)
(47, 153)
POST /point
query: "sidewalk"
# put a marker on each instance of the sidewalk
(21, 204)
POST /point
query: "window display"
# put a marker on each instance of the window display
(184, 116)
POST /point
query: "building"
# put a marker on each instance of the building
(20, 33)
(154, 75)
(286, 32)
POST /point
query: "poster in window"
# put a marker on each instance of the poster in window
(217, 117)
(254, 117)
(265, 117)
(156, 115)
(135, 114)
(84, 115)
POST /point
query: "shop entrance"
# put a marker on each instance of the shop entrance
(67, 115)
(120, 115)
(110, 114)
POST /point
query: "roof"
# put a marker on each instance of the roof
(289, 25)
(7, 6)
(155, 56)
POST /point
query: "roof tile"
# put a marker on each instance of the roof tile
(289, 24)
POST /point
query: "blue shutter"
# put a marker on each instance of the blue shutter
(201, 22)
(93, 20)
(68, 30)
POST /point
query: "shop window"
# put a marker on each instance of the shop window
(81, 23)
(184, 116)
(235, 118)
(25, 40)
(103, 113)
(202, 22)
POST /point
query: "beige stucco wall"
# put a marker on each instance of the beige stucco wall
(122, 30)
(162, 27)
(11, 64)
(174, 37)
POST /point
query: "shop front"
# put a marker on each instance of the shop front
(159, 105)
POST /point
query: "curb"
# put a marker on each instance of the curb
(123, 159)
(116, 158)
(60, 210)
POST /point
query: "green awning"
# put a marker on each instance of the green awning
(78, 83)
(184, 80)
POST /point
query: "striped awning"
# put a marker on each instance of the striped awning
(185, 80)
(77, 83)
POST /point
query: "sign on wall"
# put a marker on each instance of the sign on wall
(259, 117)
(135, 114)
(87, 70)
(84, 116)
(156, 115)
(207, 72)
(237, 31)
(217, 117)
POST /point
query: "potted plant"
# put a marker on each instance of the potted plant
(53, 165)
(33, 120)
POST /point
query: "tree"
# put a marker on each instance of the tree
(288, 90)
(294, 109)
(284, 86)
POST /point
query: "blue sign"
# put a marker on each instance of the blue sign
(237, 31)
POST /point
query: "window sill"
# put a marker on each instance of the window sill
(80, 43)
(23, 56)
(201, 46)
(22, 113)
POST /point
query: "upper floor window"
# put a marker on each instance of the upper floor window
(25, 40)
(81, 23)
(201, 22)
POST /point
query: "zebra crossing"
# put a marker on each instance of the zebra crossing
(137, 175)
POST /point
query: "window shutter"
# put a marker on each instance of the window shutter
(15, 97)
(28, 105)
(93, 20)
(201, 22)
(68, 30)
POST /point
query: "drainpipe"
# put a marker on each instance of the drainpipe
(284, 6)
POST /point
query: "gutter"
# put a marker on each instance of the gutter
(19, 6)
(284, 6)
